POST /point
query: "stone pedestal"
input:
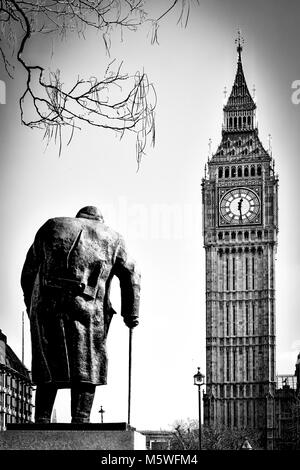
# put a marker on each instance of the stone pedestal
(65, 436)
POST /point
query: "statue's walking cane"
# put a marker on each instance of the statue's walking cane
(129, 374)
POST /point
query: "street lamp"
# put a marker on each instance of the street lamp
(199, 381)
(101, 411)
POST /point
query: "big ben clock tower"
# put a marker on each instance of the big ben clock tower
(240, 226)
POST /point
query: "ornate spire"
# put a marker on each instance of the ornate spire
(240, 97)
(239, 42)
(209, 148)
(239, 130)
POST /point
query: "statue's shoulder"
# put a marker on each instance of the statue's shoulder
(59, 225)
(61, 221)
(103, 231)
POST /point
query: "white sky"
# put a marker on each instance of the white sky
(189, 69)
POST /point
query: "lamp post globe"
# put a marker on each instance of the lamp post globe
(199, 381)
(199, 378)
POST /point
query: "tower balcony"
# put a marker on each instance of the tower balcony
(241, 128)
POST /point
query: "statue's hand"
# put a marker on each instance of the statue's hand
(131, 322)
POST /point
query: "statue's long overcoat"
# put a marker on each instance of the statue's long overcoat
(66, 282)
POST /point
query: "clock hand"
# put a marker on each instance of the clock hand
(240, 208)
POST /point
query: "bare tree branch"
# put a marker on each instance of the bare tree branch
(118, 101)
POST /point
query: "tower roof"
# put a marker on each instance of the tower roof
(240, 98)
(240, 141)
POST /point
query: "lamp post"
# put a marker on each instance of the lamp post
(199, 381)
(101, 411)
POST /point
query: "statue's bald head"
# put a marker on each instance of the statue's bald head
(90, 212)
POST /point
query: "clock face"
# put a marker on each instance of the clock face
(240, 206)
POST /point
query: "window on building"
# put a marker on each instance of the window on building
(233, 273)
(246, 171)
(227, 273)
(226, 172)
(272, 363)
(247, 272)
(252, 170)
(253, 364)
(233, 172)
(253, 273)
(220, 172)
(235, 413)
(246, 235)
(14, 384)
(227, 320)
(258, 170)
(234, 320)
(8, 380)
(228, 365)
(253, 319)
(247, 319)
(240, 173)
(228, 414)
(234, 365)
(248, 412)
(247, 364)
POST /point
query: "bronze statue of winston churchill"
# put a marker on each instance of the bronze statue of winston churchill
(66, 282)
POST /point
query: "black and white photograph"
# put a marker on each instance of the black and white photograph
(149, 213)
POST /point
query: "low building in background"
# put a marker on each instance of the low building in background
(15, 387)
(287, 412)
(158, 440)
